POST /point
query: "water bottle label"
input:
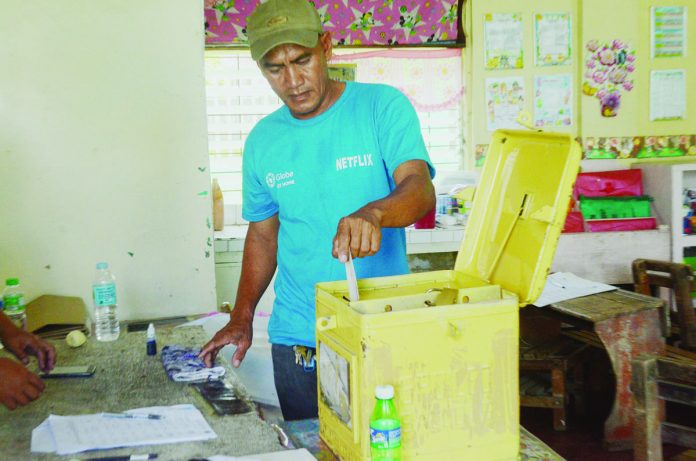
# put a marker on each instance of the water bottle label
(385, 438)
(14, 302)
(104, 295)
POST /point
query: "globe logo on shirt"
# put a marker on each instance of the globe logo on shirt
(270, 180)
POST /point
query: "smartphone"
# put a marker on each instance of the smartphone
(80, 371)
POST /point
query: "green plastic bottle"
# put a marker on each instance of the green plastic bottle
(385, 427)
(13, 301)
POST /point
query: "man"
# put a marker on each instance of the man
(19, 386)
(338, 171)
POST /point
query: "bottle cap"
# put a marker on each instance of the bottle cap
(102, 266)
(12, 282)
(384, 392)
(150, 332)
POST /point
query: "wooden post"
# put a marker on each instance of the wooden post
(646, 423)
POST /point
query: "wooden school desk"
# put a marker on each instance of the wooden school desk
(626, 324)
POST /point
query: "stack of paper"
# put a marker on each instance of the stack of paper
(65, 435)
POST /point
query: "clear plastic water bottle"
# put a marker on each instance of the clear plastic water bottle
(13, 302)
(385, 427)
(106, 327)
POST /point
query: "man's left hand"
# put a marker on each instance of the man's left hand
(22, 344)
(360, 233)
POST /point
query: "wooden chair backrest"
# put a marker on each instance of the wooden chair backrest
(656, 379)
(676, 277)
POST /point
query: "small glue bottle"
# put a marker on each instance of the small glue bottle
(151, 342)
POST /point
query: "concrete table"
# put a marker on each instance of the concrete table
(127, 378)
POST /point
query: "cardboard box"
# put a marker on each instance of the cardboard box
(51, 316)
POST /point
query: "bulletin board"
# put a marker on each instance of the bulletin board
(636, 131)
(523, 57)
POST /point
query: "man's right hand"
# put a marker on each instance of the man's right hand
(18, 386)
(238, 331)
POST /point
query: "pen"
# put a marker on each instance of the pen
(131, 416)
(125, 458)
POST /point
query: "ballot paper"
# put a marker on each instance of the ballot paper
(283, 455)
(66, 435)
(561, 286)
(353, 292)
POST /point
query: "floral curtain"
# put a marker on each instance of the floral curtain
(412, 72)
(351, 22)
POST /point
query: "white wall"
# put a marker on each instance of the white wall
(102, 143)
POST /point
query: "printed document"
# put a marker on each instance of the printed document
(73, 434)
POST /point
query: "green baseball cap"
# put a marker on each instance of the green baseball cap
(282, 21)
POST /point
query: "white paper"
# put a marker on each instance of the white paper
(74, 434)
(202, 321)
(561, 286)
(553, 101)
(668, 31)
(667, 95)
(553, 39)
(42, 439)
(504, 102)
(353, 293)
(283, 455)
(503, 41)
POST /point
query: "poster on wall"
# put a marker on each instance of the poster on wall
(668, 31)
(344, 72)
(504, 102)
(553, 40)
(667, 95)
(553, 99)
(503, 41)
(608, 70)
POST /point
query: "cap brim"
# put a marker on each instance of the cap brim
(302, 37)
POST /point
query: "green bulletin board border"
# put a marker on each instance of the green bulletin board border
(627, 147)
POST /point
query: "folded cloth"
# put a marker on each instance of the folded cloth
(183, 365)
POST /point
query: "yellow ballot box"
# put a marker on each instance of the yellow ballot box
(448, 340)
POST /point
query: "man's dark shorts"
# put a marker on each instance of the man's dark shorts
(296, 384)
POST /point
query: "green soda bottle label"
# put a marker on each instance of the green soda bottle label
(104, 295)
(14, 303)
(384, 439)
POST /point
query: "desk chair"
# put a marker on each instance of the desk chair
(649, 274)
(657, 379)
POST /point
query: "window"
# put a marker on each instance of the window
(238, 96)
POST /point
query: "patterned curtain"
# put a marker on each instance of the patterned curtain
(351, 22)
(413, 72)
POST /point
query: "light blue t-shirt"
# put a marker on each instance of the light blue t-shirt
(314, 172)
